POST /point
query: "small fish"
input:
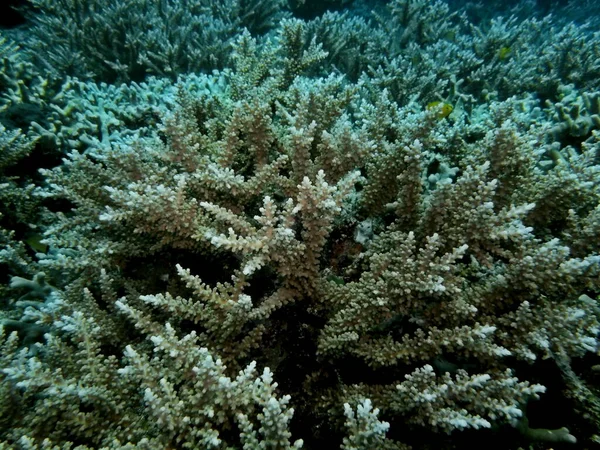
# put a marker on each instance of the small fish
(443, 109)
(450, 35)
(557, 157)
(504, 53)
(34, 241)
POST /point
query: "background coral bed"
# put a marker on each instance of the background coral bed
(254, 224)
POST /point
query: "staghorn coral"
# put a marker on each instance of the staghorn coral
(114, 40)
(396, 271)
(422, 51)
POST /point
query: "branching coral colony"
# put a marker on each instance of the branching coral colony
(290, 261)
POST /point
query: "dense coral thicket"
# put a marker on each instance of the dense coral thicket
(278, 255)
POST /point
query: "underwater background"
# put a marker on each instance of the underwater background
(273, 224)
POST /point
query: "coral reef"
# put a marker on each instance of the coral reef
(358, 232)
(122, 41)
